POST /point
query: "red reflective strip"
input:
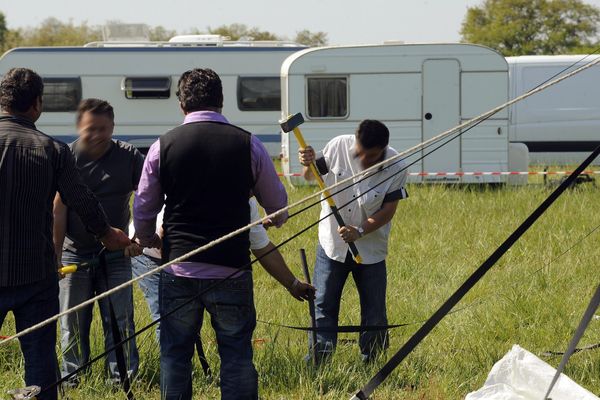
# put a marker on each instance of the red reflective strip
(478, 173)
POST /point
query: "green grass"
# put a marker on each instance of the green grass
(440, 235)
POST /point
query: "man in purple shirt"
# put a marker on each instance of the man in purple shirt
(204, 172)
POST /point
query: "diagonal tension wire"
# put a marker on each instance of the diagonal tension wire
(215, 242)
(468, 284)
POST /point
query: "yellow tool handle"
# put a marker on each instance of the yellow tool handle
(315, 172)
(68, 269)
(313, 168)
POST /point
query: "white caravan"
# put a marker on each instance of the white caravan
(560, 125)
(417, 90)
(139, 79)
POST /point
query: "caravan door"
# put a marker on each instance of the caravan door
(441, 111)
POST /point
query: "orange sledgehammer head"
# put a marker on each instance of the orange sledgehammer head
(291, 122)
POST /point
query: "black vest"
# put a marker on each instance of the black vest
(206, 175)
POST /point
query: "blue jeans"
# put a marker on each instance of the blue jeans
(371, 281)
(30, 304)
(75, 327)
(233, 317)
(149, 285)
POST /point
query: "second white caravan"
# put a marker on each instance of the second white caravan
(417, 90)
(560, 125)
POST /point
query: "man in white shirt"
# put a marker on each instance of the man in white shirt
(367, 206)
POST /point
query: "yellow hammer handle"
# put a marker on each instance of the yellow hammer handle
(313, 168)
(68, 269)
(326, 193)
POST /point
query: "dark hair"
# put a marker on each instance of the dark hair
(372, 133)
(199, 89)
(96, 107)
(19, 90)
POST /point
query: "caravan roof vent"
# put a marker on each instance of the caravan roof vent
(118, 32)
(199, 39)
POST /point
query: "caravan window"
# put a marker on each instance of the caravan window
(147, 88)
(327, 97)
(61, 94)
(259, 94)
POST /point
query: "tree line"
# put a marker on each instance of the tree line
(513, 27)
(54, 32)
(533, 27)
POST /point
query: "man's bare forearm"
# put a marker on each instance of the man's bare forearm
(380, 218)
(275, 265)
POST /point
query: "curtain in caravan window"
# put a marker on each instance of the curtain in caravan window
(146, 87)
(61, 94)
(259, 94)
(327, 97)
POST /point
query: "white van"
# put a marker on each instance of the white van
(139, 79)
(417, 90)
(560, 125)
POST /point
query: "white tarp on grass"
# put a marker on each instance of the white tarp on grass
(520, 375)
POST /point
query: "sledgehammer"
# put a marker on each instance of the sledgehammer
(291, 124)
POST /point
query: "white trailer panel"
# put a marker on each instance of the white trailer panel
(560, 125)
(250, 75)
(417, 90)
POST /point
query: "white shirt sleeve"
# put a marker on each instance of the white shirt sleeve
(258, 234)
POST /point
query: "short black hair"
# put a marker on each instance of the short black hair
(372, 133)
(95, 106)
(199, 89)
(19, 90)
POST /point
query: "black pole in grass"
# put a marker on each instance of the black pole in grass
(445, 308)
(585, 321)
(311, 309)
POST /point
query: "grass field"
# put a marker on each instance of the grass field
(440, 235)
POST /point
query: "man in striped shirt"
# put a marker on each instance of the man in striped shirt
(33, 167)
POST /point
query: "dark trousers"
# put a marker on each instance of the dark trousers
(233, 317)
(371, 281)
(31, 304)
(75, 327)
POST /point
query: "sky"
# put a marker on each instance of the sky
(345, 21)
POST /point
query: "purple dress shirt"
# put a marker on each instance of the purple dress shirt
(149, 198)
